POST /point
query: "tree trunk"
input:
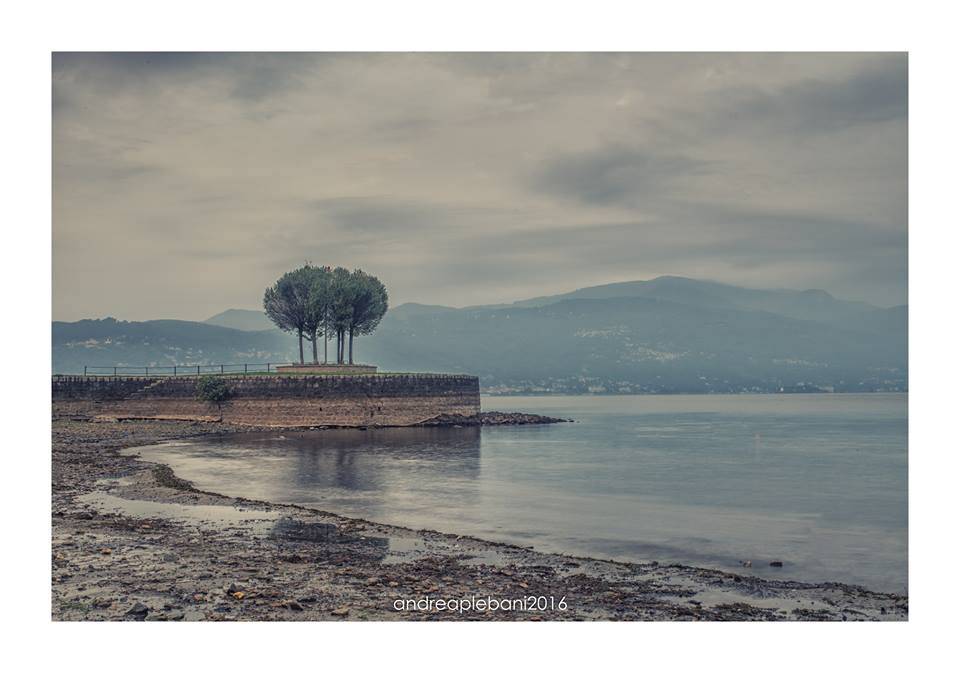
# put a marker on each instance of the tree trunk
(314, 341)
(300, 342)
(351, 345)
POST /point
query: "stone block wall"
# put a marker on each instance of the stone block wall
(274, 401)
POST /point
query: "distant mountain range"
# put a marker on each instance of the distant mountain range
(669, 334)
(242, 319)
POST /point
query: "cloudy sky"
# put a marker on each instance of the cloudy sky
(185, 183)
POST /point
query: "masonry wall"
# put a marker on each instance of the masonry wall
(273, 401)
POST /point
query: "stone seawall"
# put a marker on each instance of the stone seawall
(273, 401)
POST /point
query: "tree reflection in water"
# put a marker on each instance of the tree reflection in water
(365, 472)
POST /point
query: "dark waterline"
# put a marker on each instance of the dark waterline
(818, 482)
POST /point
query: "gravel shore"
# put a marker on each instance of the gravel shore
(132, 541)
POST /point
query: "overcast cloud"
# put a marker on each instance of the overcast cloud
(185, 183)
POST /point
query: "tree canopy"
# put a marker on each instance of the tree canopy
(316, 302)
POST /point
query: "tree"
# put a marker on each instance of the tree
(318, 307)
(340, 314)
(369, 302)
(315, 301)
(287, 302)
(213, 389)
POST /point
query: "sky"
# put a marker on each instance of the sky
(184, 184)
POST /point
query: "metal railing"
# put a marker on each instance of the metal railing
(246, 368)
(183, 370)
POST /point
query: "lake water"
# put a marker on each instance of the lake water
(818, 482)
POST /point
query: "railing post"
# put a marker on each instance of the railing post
(84, 370)
(198, 370)
(146, 371)
(268, 367)
(221, 369)
(244, 367)
(114, 371)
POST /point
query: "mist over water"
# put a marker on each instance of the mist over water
(818, 482)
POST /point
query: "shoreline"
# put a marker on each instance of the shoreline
(132, 541)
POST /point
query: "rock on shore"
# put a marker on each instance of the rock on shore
(494, 418)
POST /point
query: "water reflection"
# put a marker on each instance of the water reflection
(362, 460)
(357, 471)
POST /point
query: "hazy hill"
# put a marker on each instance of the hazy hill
(110, 342)
(632, 344)
(665, 335)
(242, 319)
(815, 305)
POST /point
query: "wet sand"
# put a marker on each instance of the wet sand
(132, 541)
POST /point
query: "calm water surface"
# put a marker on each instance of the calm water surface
(816, 481)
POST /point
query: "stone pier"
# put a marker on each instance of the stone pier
(360, 400)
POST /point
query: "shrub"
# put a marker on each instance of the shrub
(212, 389)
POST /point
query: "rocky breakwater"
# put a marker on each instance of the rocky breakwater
(493, 418)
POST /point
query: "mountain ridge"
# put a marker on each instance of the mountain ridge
(687, 290)
(670, 334)
(242, 319)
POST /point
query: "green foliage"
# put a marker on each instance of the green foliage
(320, 301)
(287, 301)
(212, 389)
(369, 302)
